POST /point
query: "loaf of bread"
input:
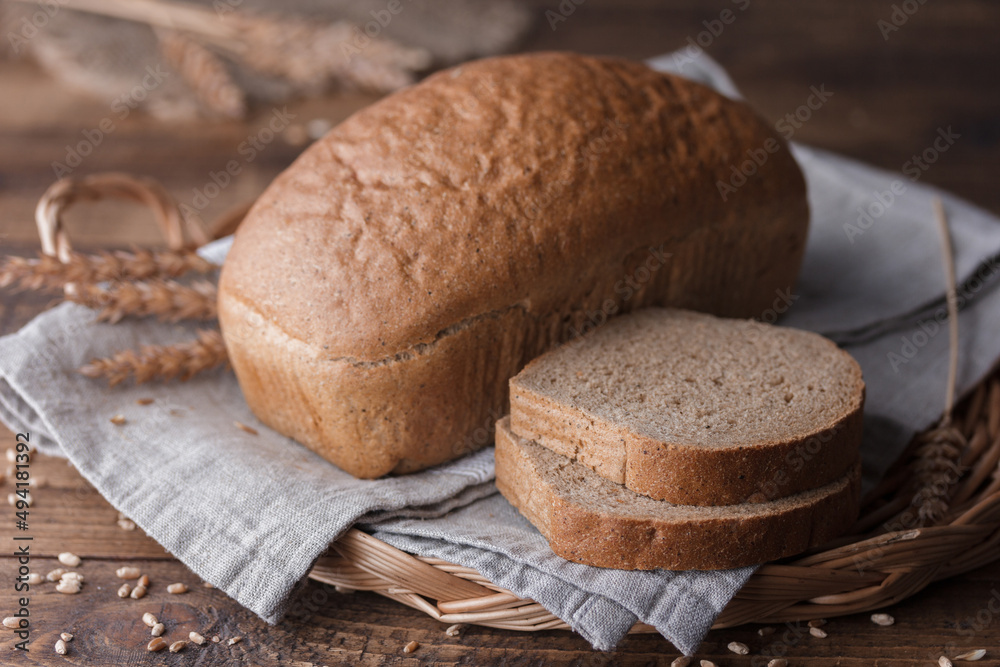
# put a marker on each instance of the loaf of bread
(696, 409)
(385, 287)
(589, 519)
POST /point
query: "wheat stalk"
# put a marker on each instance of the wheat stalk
(48, 272)
(311, 54)
(161, 362)
(306, 52)
(937, 469)
(167, 300)
(203, 72)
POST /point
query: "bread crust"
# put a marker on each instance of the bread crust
(708, 539)
(688, 474)
(386, 286)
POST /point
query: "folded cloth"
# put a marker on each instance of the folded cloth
(251, 513)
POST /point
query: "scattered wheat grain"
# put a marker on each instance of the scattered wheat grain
(143, 401)
(454, 630)
(739, 648)
(234, 640)
(61, 647)
(149, 619)
(883, 619)
(682, 661)
(177, 589)
(765, 631)
(945, 662)
(158, 629)
(156, 644)
(178, 646)
(972, 656)
(778, 662)
(138, 592)
(68, 586)
(411, 647)
(66, 637)
(34, 579)
(12, 622)
(196, 638)
(124, 590)
(117, 420)
(127, 572)
(56, 574)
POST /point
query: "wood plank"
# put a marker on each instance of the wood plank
(326, 627)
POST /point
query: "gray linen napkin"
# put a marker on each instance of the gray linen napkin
(251, 513)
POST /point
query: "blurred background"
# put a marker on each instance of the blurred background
(178, 91)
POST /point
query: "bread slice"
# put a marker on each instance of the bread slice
(694, 409)
(590, 520)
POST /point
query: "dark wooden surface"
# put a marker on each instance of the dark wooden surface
(890, 97)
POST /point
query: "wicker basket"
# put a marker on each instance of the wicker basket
(935, 514)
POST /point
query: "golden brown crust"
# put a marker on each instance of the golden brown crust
(712, 539)
(511, 192)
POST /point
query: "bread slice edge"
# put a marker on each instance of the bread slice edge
(639, 533)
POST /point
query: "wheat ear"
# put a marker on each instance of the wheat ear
(204, 73)
(48, 272)
(166, 300)
(161, 362)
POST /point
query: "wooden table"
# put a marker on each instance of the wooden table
(890, 97)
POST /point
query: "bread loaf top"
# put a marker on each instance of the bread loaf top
(478, 190)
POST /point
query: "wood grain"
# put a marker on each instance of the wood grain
(890, 96)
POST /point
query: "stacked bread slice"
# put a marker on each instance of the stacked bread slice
(678, 440)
